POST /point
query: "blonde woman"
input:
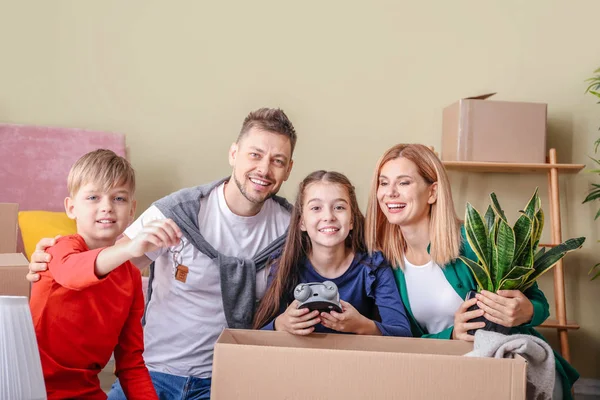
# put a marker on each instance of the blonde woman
(411, 219)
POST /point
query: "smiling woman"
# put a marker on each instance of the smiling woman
(412, 220)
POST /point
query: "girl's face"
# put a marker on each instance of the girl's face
(326, 214)
(403, 195)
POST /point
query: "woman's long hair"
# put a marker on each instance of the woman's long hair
(444, 224)
(298, 246)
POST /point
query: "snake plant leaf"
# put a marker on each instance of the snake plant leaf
(513, 284)
(539, 253)
(532, 205)
(494, 263)
(538, 227)
(516, 276)
(496, 206)
(552, 256)
(481, 274)
(523, 229)
(506, 250)
(490, 218)
(476, 234)
(492, 245)
(528, 259)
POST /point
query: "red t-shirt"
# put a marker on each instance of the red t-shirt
(80, 320)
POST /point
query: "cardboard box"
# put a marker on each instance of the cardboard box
(8, 227)
(277, 365)
(13, 265)
(476, 129)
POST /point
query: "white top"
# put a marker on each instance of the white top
(184, 320)
(433, 301)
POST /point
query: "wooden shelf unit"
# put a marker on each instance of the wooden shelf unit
(552, 169)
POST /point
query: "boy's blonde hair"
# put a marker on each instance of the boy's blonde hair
(102, 167)
(444, 224)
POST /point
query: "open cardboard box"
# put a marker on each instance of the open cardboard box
(477, 129)
(277, 365)
(13, 265)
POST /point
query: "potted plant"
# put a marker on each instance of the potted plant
(594, 194)
(508, 257)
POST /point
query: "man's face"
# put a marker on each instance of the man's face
(261, 162)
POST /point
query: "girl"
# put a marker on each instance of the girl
(411, 219)
(325, 242)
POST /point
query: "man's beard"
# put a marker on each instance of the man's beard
(245, 193)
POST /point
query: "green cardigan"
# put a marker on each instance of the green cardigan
(461, 279)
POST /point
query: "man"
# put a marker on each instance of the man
(213, 278)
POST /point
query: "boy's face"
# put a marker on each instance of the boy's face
(101, 216)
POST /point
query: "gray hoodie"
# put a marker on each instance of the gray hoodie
(238, 275)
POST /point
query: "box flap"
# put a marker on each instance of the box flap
(481, 96)
(13, 260)
(8, 227)
(334, 341)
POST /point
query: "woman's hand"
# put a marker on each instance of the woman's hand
(297, 321)
(506, 307)
(349, 320)
(462, 318)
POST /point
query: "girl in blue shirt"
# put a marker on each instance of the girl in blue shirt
(325, 242)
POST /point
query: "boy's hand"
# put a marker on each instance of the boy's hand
(40, 259)
(155, 234)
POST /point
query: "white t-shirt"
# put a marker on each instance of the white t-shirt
(433, 301)
(184, 320)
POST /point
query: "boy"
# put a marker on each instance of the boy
(89, 303)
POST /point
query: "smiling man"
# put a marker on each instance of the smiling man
(214, 277)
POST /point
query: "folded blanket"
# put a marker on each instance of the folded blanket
(539, 356)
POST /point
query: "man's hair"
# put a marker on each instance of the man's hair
(271, 120)
(102, 167)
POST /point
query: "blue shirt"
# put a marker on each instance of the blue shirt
(368, 285)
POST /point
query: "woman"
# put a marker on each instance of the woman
(411, 219)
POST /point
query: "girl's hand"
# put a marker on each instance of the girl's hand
(297, 321)
(507, 307)
(349, 320)
(461, 318)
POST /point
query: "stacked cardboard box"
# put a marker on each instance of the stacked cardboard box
(13, 265)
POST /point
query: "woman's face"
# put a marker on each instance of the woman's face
(403, 195)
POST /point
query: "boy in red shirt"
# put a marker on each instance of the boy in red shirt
(89, 303)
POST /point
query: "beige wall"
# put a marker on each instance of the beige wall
(178, 77)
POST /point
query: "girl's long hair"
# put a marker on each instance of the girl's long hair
(298, 246)
(444, 224)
